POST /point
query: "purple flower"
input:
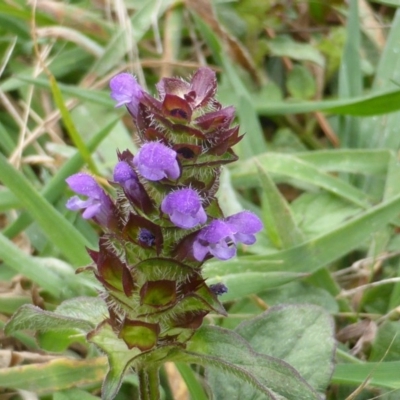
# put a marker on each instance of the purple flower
(127, 178)
(126, 90)
(156, 161)
(97, 205)
(184, 208)
(245, 224)
(220, 237)
(219, 288)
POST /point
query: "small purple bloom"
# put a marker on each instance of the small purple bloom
(219, 288)
(156, 161)
(127, 178)
(245, 224)
(184, 208)
(146, 237)
(97, 205)
(126, 90)
(219, 238)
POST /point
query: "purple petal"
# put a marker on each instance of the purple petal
(123, 172)
(215, 232)
(126, 90)
(85, 185)
(184, 208)
(156, 161)
(223, 251)
(199, 251)
(245, 238)
(245, 222)
(91, 211)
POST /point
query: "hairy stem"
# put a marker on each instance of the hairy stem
(154, 383)
(143, 385)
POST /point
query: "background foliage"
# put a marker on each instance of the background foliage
(316, 86)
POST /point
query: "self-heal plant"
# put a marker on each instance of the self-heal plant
(162, 225)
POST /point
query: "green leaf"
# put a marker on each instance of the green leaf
(32, 317)
(225, 352)
(277, 213)
(300, 83)
(301, 335)
(70, 126)
(56, 186)
(57, 229)
(245, 174)
(54, 375)
(30, 267)
(284, 46)
(318, 252)
(246, 283)
(381, 374)
(118, 355)
(375, 103)
(386, 345)
(74, 394)
(196, 390)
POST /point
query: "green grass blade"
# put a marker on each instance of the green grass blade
(244, 174)
(57, 229)
(195, 389)
(55, 375)
(319, 252)
(56, 186)
(69, 124)
(277, 213)
(384, 374)
(356, 161)
(29, 267)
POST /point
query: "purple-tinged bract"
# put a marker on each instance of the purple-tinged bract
(184, 208)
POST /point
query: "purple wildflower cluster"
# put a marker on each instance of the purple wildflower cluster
(165, 221)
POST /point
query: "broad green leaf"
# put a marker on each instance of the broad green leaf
(356, 161)
(301, 335)
(34, 318)
(297, 293)
(229, 354)
(244, 174)
(55, 375)
(300, 83)
(284, 46)
(319, 213)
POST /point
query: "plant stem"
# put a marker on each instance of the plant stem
(153, 377)
(149, 384)
(143, 385)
